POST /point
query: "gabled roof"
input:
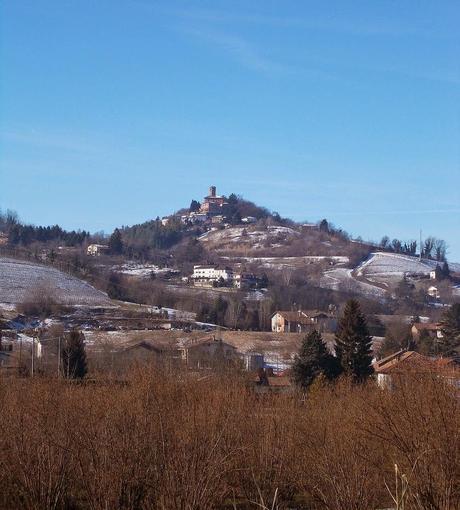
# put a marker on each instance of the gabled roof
(142, 344)
(302, 316)
(406, 361)
(430, 326)
(207, 341)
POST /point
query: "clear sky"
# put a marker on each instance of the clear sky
(115, 111)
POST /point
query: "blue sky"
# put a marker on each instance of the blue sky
(116, 111)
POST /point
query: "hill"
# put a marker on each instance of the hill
(21, 281)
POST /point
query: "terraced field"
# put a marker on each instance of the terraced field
(20, 279)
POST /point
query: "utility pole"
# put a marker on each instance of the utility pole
(421, 247)
(59, 357)
(20, 347)
(33, 357)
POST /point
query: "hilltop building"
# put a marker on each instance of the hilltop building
(213, 204)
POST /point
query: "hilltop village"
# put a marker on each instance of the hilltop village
(222, 274)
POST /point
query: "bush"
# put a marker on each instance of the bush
(40, 302)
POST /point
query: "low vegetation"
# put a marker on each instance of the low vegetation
(168, 440)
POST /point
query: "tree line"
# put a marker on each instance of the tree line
(21, 234)
(432, 247)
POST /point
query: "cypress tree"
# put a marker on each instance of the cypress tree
(74, 356)
(449, 344)
(353, 343)
(116, 243)
(313, 360)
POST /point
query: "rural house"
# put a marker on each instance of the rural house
(301, 321)
(411, 362)
(433, 292)
(245, 280)
(95, 250)
(206, 276)
(433, 330)
(208, 353)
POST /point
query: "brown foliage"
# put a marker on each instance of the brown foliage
(169, 440)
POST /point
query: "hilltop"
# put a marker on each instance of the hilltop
(269, 261)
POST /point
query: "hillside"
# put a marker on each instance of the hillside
(382, 267)
(21, 280)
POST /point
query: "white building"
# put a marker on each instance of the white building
(95, 250)
(244, 280)
(207, 275)
(249, 219)
(433, 292)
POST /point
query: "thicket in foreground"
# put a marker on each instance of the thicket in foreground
(171, 441)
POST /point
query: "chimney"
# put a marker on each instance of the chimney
(212, 191)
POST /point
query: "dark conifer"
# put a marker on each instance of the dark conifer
(353, 343)
(194, 206)
(116, 243)
(313, 360)
(449, 344)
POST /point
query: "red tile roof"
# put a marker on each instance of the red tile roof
(409, 361)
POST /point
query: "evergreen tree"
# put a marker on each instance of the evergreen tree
(438, 276)
(324, 226)
(233, 199)
(116, 243)
(449, 344)
(313, 360)
(74, 356)
(445, 271)
(353, 343)
(194, 206)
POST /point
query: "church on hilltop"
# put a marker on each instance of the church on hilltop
(213, 204)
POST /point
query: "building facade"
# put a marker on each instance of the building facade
(301, 321)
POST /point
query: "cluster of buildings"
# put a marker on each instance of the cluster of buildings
(214, 210)
(215, 276)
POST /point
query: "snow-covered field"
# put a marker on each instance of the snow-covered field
(289, 262)
(342, 279)
(378, 272)
(20, 279)
(142, 270)
(254, 236)
(391, 267)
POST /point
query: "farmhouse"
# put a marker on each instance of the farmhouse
(431, 328)
(433, 292)
(301, 321)
(410, 362)
(245, 280)
(207, 276)
(249, 219)
(208, 353)
(95, 250)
